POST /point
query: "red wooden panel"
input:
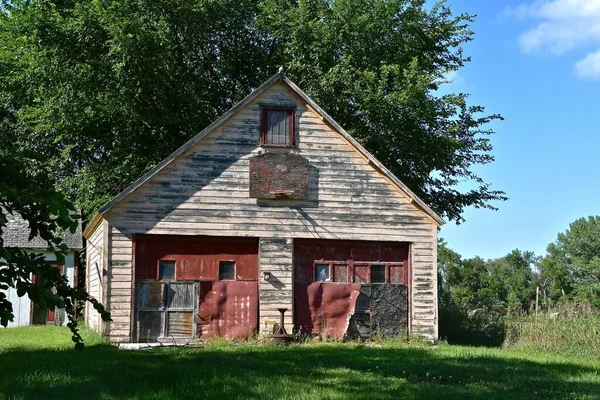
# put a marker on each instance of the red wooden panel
(304, 272)
(362, 274)
(313, 302)
(396, 274)
(325, 307)
(306, 251)
(197, 258)
(394, 253)
(366, 252)
(228, 308)
(340, 273)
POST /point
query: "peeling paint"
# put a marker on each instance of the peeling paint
(228, 308)
(325, 307)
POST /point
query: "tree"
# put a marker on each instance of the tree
(513, 280)
(572, 264)
(106, 89)
(26, 189)
(508, 281)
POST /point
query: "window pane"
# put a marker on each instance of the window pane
(227, 270)
(278, 127)
(166, 270)
(321, 272)
(377, 273)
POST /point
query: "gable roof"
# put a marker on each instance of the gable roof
(280, 76)
(16, 234)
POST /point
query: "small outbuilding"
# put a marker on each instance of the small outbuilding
(16, 234)
(272, 207)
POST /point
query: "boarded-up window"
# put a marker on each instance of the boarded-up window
(180, 323)
(363, 272)
(340, 273)
(277, 126)
(180, 295)
(166, 309)
(150, 295)
(150, 325)
(396, 274)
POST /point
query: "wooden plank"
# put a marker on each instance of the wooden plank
(205, 191)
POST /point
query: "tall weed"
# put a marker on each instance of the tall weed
(568, 328)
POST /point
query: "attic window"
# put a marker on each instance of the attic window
(277, 126)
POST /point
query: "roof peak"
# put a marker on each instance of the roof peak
(269, 82)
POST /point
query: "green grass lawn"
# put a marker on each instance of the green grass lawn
(37, 363)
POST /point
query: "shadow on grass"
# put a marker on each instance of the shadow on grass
(305, 372)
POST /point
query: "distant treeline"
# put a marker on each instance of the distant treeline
(477, 295)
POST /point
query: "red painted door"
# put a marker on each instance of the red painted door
(327, 302)
(40, 316)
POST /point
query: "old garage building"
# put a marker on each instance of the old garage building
(272, 206)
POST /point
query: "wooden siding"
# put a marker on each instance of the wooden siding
(95, 265)
(121, 285)
(206, 191)
(276, 257)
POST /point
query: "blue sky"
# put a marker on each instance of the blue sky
(538, 64)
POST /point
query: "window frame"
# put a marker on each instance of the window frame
(264, 128)
(351, 264)
(234, 270)
(329, 274)
(386, 273)
(165, 310)
(158, 270)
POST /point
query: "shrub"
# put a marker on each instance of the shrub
(479, 327)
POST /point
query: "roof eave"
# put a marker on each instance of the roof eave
(278, 76)
(190, 143)
(91, 227)
(365, 153)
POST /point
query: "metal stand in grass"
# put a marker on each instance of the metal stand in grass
(280, 335)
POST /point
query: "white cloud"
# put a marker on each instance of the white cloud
(561, 26)
(589, 67)
(451, 76)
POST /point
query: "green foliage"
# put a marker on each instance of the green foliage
(106, 89)
(480, 301)
(476, 295)
(479, 327)
(571, 270)
(27, 189)
(473, 283)
(308, 371)
(512, 279)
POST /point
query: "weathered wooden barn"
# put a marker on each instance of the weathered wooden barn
(273, 206)
(16, 235)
